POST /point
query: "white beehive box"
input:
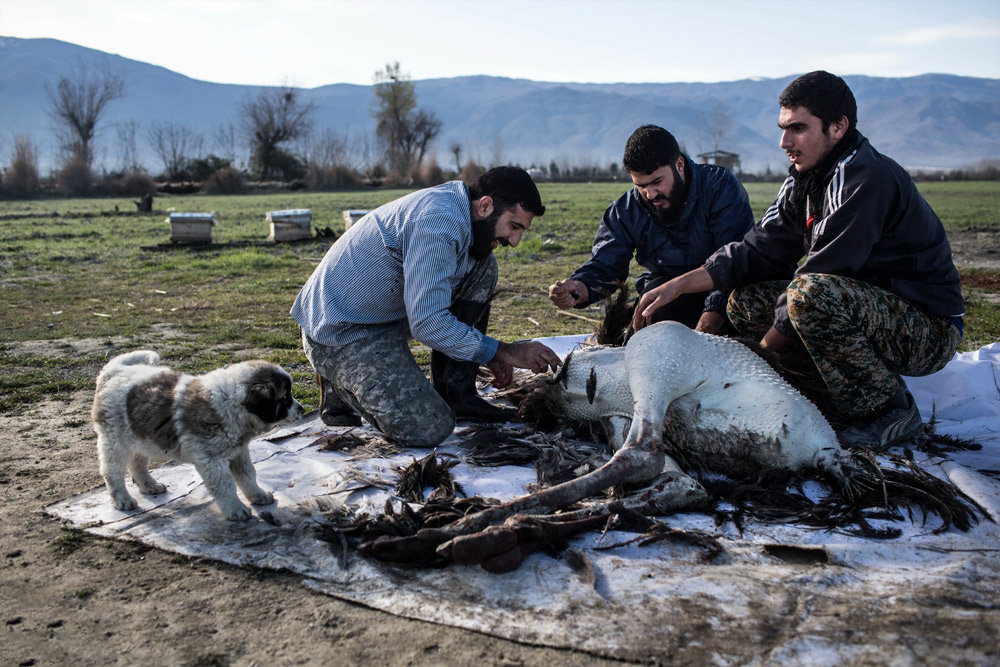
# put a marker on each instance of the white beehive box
(290, 225)
(352, 216)
(191, 227)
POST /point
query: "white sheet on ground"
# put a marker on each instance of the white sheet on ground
(635, 597)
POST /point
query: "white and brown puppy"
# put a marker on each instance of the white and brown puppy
(143, 411)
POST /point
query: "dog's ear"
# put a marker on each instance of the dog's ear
(268, 395)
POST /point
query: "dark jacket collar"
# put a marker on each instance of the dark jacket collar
(824, 169)
(812, 183)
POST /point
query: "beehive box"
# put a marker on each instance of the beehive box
(191, 227)
(352, 216)
(290, 225)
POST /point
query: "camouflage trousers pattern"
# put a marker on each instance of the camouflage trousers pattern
(860, 337)
(378, 377)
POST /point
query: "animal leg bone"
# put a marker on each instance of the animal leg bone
(503, 548)
(636, 462)
(501, 537)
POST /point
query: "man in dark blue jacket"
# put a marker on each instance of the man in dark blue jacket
(677, 215)
(877, 295)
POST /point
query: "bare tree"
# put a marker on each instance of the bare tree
(77, 105)
(496, 150)
(272, 118)
(363, 153)
(228, 143)
(456, 150)
(128, 153)
(716, 125)
(328, 148)
(176, 145)
(404, 131)
(21, 177)
(426, 126)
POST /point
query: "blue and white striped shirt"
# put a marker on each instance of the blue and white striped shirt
(398, 266)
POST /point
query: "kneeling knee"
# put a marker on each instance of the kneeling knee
(428, 428)
(809, 294)
(431, 434)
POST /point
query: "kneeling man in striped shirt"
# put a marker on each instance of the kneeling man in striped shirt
(420, 267)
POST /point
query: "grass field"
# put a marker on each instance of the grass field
(90, 269)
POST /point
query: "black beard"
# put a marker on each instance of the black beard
(678, 192)
(483, 236)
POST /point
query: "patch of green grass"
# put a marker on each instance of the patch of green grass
(981, 289)
(68, 541)
(77, 269)
(21, 386)
(982, 321)
(965, 205)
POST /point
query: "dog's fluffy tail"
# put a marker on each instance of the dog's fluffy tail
(137, 358)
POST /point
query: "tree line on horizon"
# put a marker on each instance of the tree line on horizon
(274, 143)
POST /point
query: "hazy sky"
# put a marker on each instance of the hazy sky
(315, 42)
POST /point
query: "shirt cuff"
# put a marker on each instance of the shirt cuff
(716, 302)
(487, 350)
(783, 325)
(592, 294)
(717, 273)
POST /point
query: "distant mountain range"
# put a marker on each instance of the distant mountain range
(933, 121)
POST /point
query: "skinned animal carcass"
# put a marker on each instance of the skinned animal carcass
(671, 397)
(706, 402)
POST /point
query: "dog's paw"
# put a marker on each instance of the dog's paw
(261, 497)
(123, 502)
(239, 512)
(154, 489)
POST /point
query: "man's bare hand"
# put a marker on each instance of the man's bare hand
(652, 301)
(503, 374)
(773, 340)
(532, 355)
(710, 322)
(697, 280)
(568, 293)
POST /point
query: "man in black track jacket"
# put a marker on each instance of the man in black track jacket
(877, 295)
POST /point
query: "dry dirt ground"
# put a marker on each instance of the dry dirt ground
(979, 248)
(67, 598)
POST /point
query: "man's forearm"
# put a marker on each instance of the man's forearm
(691, 282)
(773, 340)
(696, 280)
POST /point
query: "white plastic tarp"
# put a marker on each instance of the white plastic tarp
(631, 602)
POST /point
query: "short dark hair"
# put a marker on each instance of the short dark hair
(649, 148)
(508, 187)
(825, 95)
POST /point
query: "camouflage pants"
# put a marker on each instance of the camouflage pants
(379, 379)
(860, 337)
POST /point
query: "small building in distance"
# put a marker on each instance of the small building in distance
(721, 158)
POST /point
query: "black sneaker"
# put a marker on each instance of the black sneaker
(887, 429)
